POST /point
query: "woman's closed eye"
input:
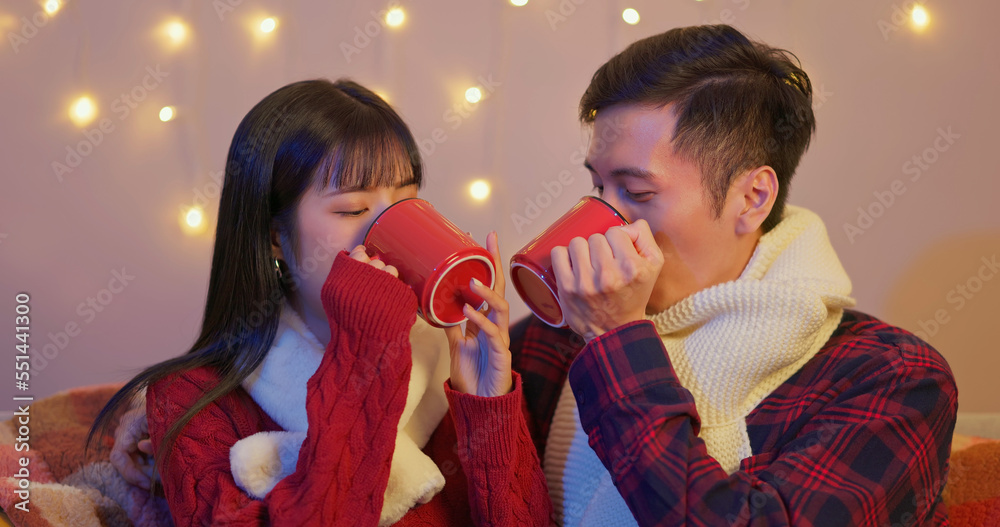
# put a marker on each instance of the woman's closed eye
(352, 213)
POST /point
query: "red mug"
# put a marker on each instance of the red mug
(433, 256)
(531, 268)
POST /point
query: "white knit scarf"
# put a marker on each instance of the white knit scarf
(731, 346)
(278, 385)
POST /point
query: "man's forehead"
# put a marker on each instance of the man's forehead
(636, 118)
(630, 135)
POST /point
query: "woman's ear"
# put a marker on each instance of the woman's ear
(757, 191)
(276, 244)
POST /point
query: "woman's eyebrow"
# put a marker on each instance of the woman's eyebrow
(338, 191)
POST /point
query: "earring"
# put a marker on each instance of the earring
(277, 268)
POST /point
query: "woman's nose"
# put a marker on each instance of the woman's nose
(377, 208)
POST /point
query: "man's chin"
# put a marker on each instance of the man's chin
(659, 304)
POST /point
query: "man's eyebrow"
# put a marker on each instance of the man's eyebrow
(337, 191)
(635, 172)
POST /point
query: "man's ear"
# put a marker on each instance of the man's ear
(757, 192)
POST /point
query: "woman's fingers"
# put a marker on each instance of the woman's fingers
(499, 308)
(493, 246)
(486, 326)
(125, 454)
(360, 254)
(455, 337)
(503, 315)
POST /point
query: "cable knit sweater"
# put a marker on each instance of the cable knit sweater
(493, 475)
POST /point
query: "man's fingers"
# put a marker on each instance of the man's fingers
(579, 257)
(562, 267)
(601, 257)
(621, 243)
(146, 447)
(642, 238)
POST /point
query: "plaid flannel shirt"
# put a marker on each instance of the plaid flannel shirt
(860, 435)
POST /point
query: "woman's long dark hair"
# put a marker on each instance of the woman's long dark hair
(309, 134)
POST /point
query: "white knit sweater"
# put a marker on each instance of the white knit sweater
(731, 346)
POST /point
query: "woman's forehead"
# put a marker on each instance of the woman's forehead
(358, 167)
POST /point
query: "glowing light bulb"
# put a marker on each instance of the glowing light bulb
(52, 6)
(630, 16)
(166, 113)
(268, 24)
(395, 17)
(519, 3)
(920, 17)
(176, 31)
(7, 22)
(192, 220)
(194, 217)
(382, 95)
(473, 95)
(83, 111)
(479, 189)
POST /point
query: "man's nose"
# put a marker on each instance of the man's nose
(613, 200)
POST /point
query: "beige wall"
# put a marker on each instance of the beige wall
(885, 94)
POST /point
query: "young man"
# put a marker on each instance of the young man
(721, 380)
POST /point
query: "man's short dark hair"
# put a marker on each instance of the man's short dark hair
(740, 104)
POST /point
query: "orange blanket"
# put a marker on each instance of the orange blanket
(973, 489)
(67, 487)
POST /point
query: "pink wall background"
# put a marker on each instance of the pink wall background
(885, 93)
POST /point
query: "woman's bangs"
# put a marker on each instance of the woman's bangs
(369, 160)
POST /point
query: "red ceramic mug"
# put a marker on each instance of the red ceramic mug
(531, 268)
(433, 256)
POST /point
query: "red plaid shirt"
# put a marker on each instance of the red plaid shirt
(859, 436)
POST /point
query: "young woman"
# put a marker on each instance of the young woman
(313, 386)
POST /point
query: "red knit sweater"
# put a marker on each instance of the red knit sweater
(355, 399)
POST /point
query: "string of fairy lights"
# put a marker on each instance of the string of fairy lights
(83, 110)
